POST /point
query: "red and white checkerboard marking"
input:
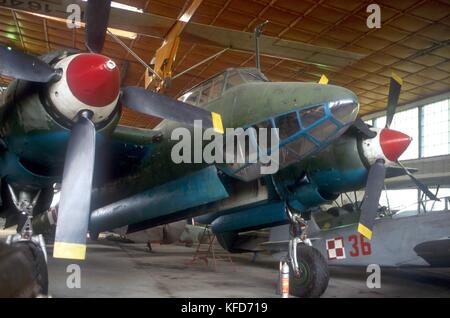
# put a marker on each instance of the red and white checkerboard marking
(335, 248)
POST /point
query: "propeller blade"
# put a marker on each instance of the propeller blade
(374, 186)
(74, 206)
(25, 67)
(394, 93)
(97, 16)
(161, 106)
(419, 184)
(361, 128)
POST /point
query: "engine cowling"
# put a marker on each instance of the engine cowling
(88, 81)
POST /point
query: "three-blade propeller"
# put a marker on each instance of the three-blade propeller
(74, 207)
(377, 172)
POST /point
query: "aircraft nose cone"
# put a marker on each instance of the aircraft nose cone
(393, 143)
(343, 103)
(345, 110)
(93, 79)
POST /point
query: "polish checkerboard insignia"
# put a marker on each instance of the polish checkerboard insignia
(335, 248)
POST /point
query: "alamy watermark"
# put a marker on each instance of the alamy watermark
(235, 146)
(374, 19)
(74, 16)
(74, 278)
(374, 278)
(73, 20)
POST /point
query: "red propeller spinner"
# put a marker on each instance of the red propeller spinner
(393, 143)
(89, 81)
(94, 79)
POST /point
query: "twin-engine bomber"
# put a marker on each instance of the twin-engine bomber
(59, 125)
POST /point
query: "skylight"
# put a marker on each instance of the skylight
(122, 6)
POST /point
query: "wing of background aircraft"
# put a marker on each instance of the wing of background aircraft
(152, 25)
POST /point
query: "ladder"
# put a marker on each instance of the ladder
(209, 250)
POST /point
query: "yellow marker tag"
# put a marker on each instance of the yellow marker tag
(365, 231)
(69, 250)
(323, 80)
(217, 122)
(397, 78)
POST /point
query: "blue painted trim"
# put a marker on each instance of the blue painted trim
(196, 189)
(251, 218)
(302, 132)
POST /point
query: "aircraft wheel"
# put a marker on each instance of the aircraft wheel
(314, 274)
(36, 258)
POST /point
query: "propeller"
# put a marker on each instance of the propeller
(97, 16)
(74, 207)
(393, 146)
(26, 67)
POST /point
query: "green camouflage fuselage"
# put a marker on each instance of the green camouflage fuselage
(130, 161)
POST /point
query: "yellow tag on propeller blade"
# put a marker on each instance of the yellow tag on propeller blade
(323, 80)
(69, 250)
(397, 78)
(365, 231)
(217, 122)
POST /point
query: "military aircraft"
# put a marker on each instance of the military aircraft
(61, 115)
(406, 238)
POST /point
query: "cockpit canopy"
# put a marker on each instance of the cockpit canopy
(215, 86)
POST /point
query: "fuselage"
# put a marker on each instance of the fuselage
(36, 138)
(400, 241)
(318, 158)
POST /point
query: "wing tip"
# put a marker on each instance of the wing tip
(69, 250)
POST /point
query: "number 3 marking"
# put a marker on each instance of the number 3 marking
(366, 247)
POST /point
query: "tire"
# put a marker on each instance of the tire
(314, 274)
(15, 276)
(35, 256)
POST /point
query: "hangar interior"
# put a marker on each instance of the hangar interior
(413, 42)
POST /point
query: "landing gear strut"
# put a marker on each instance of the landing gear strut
(32, 246)
(308, 275)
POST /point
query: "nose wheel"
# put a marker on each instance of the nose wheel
(308, 275)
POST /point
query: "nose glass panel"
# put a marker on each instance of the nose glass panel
(300, 133)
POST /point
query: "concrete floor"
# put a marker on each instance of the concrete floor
(128, 270)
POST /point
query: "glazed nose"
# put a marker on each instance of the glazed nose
(393, 143)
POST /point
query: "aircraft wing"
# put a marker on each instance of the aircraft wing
(156, 26)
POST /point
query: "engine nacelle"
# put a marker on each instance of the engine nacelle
(88, 81)
(309, 195)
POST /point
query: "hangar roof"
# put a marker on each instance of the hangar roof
(413, 42)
